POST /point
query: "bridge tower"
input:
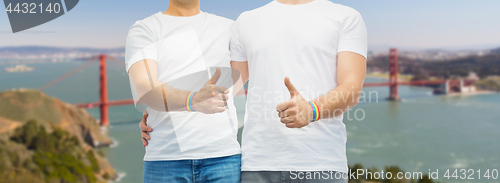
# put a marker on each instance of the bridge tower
(103, 91)
(393, 74)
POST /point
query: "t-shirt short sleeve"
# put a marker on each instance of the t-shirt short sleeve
(140, 45)
(353, 34)
(237, 52)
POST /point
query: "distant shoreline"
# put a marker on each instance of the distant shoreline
(406, 77)
(480, 92)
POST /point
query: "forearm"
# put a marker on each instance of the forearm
(298, 112)
(239, 85)
(339, 100)
(153, 93)
(164, 97)
(242, 68)
(351, 73)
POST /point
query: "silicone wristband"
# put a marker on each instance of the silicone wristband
(189, 100)
(317, 114)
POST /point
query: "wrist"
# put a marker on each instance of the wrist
(310, 118)
(189, 102)
(316, 114)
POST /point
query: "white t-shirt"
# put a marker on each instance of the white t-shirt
(302, 42)
(185, 49)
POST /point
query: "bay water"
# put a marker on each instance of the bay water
(420, 133)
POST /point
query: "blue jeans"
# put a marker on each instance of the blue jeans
(222, 169)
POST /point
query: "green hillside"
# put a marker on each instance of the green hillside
(43, 139)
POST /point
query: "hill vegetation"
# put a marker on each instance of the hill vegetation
(394, 170)
(46, 157)
(491, 83)
(45, 140)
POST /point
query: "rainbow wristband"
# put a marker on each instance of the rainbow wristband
(316, 113)
(189, 100)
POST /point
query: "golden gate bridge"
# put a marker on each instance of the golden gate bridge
(104, 103)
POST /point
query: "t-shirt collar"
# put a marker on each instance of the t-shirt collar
(180, 17)
(295, 5)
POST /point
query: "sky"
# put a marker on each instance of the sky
(422, 24)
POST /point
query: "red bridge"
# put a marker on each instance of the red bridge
(104, 103)
(393, 78)
(444, 86)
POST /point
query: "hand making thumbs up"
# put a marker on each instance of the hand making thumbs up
(211, 98)
(296, 112)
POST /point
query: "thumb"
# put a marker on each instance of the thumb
(216, 76)
(293, 91)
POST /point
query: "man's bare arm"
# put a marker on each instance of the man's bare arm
(351, 72)
(162, 97)
(242, 68)
(151, 92)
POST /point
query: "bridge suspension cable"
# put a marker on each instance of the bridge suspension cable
(115, 60)
(68, 74)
